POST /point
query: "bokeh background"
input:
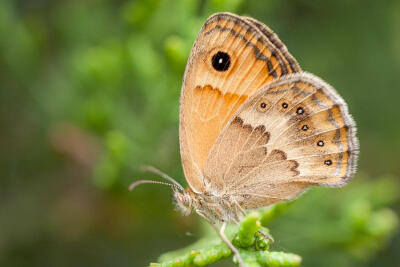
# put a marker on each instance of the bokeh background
(89, 92)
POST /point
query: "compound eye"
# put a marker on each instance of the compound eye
(221, 61)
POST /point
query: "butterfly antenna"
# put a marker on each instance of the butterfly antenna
(135, 184)
(162, 175)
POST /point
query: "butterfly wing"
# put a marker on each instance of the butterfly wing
(293, 133)
(273, 38)
(231, 59)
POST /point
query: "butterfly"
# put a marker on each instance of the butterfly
(254, 128)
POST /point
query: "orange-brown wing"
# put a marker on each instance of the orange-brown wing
(231, 59)
(294, 133)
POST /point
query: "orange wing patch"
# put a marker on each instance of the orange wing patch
(214, 96)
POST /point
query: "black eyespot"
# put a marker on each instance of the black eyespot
(300, 111)
(221, 61)
(285, 105)
(328, 162)
(320, 143)
(304, 127)
(262, 105)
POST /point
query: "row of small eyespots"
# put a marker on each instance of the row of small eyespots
(262, 107)
(305, 127)
(299, 111)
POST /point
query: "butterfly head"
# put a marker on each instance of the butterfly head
(184, 201)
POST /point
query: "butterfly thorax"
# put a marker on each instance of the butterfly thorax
(212, 207)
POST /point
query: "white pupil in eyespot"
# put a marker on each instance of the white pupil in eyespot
(220, 61)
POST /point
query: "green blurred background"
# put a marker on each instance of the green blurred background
(89, 92)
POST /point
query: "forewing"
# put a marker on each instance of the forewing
(293, 133)
(210, 97)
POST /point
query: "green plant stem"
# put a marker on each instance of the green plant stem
(252, 244)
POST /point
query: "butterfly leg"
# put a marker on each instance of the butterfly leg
(239, 208)
(221, 233)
